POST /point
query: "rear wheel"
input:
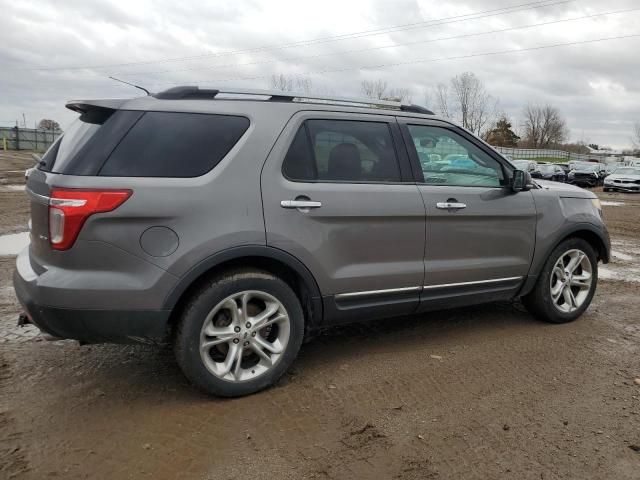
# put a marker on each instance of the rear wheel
(566, 284)
(239, 333)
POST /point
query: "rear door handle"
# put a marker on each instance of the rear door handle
(303, 204)
(451, 205)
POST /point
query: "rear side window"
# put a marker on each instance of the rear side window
(342, 151)
(165, 144)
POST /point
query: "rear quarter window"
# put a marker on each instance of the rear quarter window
(166, 144)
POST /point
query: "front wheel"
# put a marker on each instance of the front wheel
(566, 284)
(239, 333)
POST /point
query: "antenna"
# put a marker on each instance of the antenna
(127, 83)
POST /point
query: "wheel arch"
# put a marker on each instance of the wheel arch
(270, 259)
(594, 235)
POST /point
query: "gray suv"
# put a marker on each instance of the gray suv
(235, 223)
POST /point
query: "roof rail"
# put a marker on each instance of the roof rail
(194, 92)
(416, 109)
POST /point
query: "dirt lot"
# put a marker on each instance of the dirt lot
(476, 393)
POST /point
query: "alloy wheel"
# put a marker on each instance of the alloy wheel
(571, 280)
(244, 336)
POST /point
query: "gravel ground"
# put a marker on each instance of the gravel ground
(477, 393)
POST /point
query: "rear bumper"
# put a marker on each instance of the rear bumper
(86, 325)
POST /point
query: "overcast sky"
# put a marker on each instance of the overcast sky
(55, 51)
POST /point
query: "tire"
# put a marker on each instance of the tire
(540, 303)
(209, 318)
(606, 189)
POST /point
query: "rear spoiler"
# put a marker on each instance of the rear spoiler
(83, 106)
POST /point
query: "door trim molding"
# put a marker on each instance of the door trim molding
(371, 293)
(477, 282)
(368, 293)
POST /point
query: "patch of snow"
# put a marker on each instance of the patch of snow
(15, 188)
(622, 256)
(12, 244)
(619, 273)
(607, 203)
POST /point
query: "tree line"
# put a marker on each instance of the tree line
(465, 99)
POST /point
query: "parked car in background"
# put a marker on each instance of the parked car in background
(625, 179)
(587, 175)
(528, 166)
(610, 169)
(550, 171)
(565, 167)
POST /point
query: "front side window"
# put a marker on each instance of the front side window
(447, 158)
(342, 151)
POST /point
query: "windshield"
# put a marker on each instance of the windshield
(588, 168)
(520, 164)
(627, 171)
(547, 168)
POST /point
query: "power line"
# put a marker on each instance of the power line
(381, 47)
(329, 39)
(412, 62)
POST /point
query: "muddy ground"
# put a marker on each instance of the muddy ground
(482, 393)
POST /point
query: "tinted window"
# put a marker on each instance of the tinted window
(67, 148)
(447, 158)
(76, 136)
(164, 144)
(342, 150)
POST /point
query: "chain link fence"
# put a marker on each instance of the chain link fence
(16, 138)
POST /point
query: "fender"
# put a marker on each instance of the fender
(546, 246)
(244, 251)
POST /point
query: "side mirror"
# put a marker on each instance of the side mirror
(520, 181)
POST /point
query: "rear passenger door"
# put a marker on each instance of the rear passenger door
(338, 194)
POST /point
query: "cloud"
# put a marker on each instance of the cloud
(596, 85)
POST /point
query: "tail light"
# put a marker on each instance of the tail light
(70, 208)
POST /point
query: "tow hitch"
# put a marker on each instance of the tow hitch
(23, 320)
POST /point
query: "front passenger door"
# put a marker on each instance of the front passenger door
(480, 234)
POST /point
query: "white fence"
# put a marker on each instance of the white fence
(535, 154)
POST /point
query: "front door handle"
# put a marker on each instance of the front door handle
(302, 204)
(451, 205)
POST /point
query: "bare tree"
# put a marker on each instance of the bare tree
(399, 95)
(48, 124)
(291, 83)
(442, 100)
(467, 101)
(476, 108)
(375, 89)
(380, 90)
(543, 126)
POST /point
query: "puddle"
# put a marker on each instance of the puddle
(607, 203)
(12, 244)
(624, 264)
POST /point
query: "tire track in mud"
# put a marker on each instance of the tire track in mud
(12, 458)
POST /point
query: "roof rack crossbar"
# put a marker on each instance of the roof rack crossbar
(194, 92)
